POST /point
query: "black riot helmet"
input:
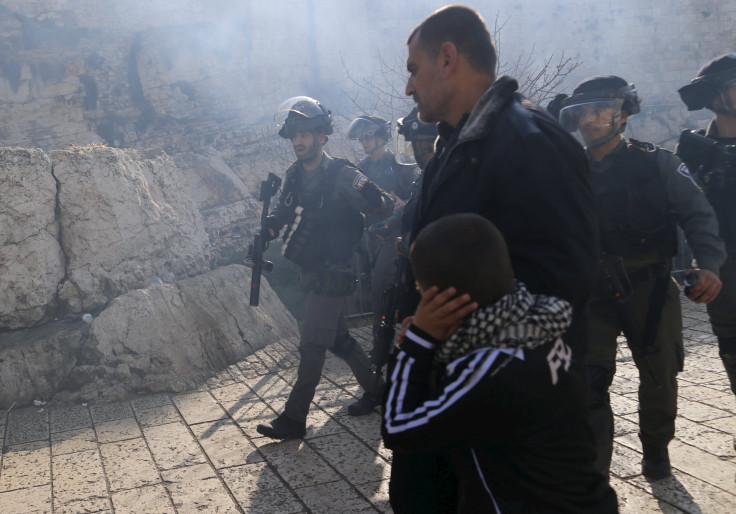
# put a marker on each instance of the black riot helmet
(369, 125)
(302, 114)
(712, 80)
(599, 93)
(413, 129)
(409, 131)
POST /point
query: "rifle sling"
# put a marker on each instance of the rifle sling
(656, 303)
(654, 314)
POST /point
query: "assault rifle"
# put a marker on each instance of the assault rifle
(618, 284)
(712, 162)
(269, 188)
(387, 326)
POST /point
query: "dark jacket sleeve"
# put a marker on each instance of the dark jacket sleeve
(419, 418)
(693, 212)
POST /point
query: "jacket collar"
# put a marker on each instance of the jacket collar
(475, 124)
(492, 101)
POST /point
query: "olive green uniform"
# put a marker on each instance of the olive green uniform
(722, 310)
(641, 230)
(324, 275)
(393, 178)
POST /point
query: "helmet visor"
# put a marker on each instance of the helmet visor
(300, 107)
(403, 150)
(360, 126)
(594, 114)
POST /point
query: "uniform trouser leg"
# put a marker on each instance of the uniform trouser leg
(323, 318)
(657, 398)
(601, 415)
(382, 275)
(728, 358)
(309, 372)
(348, 349)
(722, 312)
(658, 368)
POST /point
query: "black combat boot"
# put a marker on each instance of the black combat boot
(283, 427)
(656, 462)
(364, 406)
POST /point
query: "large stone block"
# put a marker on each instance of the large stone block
(31, 260)
(36, 362)
(168, 337)
(126, 218)
(171, 337)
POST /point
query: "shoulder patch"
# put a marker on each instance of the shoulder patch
(683, 170)
(359, 181)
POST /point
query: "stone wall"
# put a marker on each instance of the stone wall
(105, 265)
(188, 74)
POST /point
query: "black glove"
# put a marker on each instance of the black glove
(270, 229)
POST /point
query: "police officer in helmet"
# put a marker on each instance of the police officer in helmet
(380, 165)
(643, 192)
(321, 206)
(714, 88)
(421, 136)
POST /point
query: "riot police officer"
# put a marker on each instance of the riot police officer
(321, 205)
(374, 133)
(421, 136)
(380, 166)
(643, 192)
(714, 165)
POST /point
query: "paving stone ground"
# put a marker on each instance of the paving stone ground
(200, 452)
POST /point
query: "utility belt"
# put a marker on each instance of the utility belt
(331, 281)
(647, 273)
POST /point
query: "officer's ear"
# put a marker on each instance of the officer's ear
(624, 116)
(321, 138)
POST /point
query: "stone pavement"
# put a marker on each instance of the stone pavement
(199, 451)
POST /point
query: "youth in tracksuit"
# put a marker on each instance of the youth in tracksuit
(505, 409)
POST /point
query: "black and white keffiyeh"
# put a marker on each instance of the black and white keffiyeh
(518, 320)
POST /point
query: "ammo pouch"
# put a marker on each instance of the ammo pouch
(297, 239)
(335, 282)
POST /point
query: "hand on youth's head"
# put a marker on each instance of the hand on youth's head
(440, 314)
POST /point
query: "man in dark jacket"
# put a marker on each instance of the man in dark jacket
(502, 157)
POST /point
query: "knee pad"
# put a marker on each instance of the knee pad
(343, 346)
(600, 380)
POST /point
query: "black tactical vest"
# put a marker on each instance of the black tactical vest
(718, 179)
(322, 231)
(633, 212)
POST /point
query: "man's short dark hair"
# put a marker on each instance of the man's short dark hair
(463, 27)
(464, 251)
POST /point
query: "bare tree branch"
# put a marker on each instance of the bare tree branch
(383, 93)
